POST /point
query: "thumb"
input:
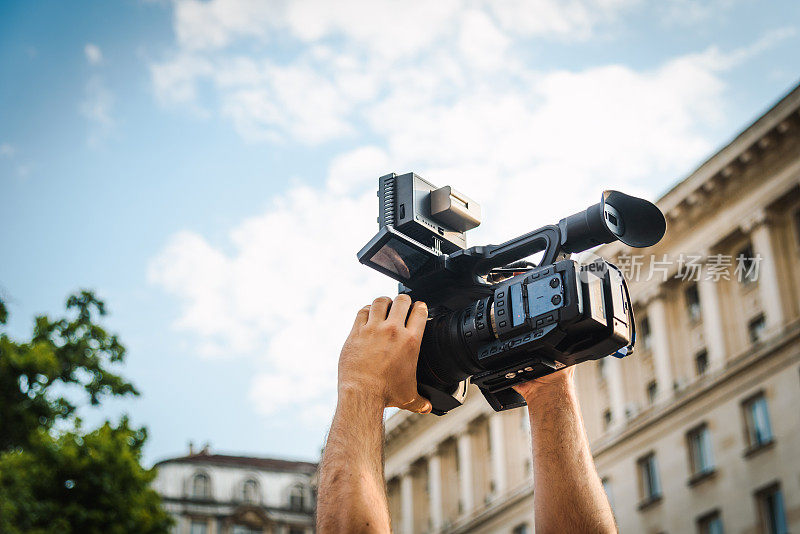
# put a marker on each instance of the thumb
(418, 404)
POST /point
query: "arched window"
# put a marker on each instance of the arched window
(201, 486)
(297, 499)
(250, 491)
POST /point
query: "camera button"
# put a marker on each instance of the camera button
(502, 324)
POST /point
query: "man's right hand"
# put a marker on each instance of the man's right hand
(380, 355)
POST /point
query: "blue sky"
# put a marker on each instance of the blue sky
(209, 167)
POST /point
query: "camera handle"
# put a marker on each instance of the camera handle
(478, 261)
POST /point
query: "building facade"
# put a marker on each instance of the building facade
(698, 430)
(220, 494)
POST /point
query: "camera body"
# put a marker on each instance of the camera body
(493, 320)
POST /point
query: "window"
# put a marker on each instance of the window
(746, 266)
(796, 219)
(756, 420)
(770, 509)
(201, 487)
(649, 483)
(250, 491)
(243, 529)
(692, 303)
(710, 523)
(700, 454)
(644, 329)
(756, 328)
(607, 488)
(701, 362)
(607, 417)
(652, 391)
(522, 529)
(199, 527)
(297, 498)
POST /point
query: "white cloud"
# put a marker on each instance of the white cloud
(286, 296)
(349, 52)
(389, 28)
(564, 19)
(175, 81)
(93, 54)
(294, 100)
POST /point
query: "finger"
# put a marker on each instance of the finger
(418, 318)
(419, 405)
(377, 312)
(399, 309)
(361, 317)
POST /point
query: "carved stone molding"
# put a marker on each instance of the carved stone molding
(754, 220)
(727, 171)
(435, 450)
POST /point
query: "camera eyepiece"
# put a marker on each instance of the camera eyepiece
(634, 221)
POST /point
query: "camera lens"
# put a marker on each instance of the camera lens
(449, 345)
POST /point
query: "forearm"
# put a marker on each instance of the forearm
(568, 494)
(352, 494)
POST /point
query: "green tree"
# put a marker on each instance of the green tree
(54, 476)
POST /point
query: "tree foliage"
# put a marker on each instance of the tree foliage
(54, 476)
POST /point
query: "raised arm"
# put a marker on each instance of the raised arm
(377, 368)
(567, 494)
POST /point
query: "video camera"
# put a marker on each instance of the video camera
(493, 319)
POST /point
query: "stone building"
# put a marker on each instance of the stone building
(698, 430)
(219, 494)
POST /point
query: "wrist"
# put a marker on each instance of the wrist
(364, 396)
(558, 388)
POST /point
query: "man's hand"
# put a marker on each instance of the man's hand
(556, 383)
(377, 368)
(380, 355)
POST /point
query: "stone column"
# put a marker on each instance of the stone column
(407, 502)
(616, 395)
(659, 334)
(465, 471)
(498, 459)
(435, 490)
(713, 329)
(768, 283)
